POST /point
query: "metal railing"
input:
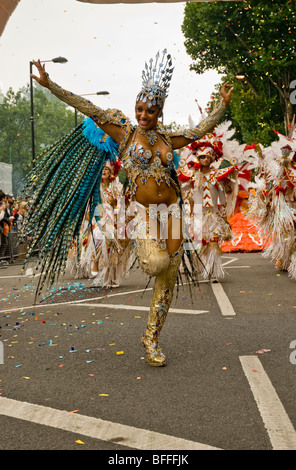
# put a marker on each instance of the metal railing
(12, 250)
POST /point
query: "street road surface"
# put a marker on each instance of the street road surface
(73, 374)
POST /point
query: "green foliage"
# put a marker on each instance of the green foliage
(52, 120)
(258, 38)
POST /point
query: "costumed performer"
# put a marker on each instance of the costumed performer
(102, 254)
(112, 257)
(146, 152)
(274, 205)
(212, 192)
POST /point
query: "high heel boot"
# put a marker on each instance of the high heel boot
(161, 300)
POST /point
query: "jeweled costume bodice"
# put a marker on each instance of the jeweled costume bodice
(142, 164)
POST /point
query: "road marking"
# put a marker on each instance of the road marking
(236, 267)
(146, 309)
(222, 299)
(96, 428)
(70, 302)
(10, 277)
(279, 427)
(29, 273)
(74, 302)
(230, 258)
(113, 306)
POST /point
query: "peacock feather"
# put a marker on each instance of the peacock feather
(63, 186)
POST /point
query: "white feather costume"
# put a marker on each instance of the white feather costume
(274, 205)
(102, 246)
(212, 195)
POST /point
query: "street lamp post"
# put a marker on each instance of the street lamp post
(240, 76)
(87, 94)
(60, 60)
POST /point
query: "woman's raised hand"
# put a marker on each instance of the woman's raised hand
(226, 95)
(43, 77)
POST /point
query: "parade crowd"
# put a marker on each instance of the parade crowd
(12, 214)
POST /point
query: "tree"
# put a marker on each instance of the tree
(52, 120)
(256, 38)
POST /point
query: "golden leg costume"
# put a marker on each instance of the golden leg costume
(161, 300)
(154, 259)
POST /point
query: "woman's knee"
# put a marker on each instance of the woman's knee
(153, 256)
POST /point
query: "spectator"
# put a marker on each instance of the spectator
(22, 210)
(10, 203)
(4, 226)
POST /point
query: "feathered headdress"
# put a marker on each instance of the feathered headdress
(284, 149)
(208, 145)
(232, 150)
(279, 155)
(114, 167)
(220, 145)
(156, 80)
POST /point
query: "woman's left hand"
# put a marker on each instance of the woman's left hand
(43, 77)
(226, 95)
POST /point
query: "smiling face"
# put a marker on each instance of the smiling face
(147, 116)
(106, 173)
(205, 160)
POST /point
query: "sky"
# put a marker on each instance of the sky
(106, 47)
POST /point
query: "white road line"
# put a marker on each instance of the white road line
(72, 302)
(99, 305)
(230, 260)
(29, 273)
(95, 428)
(279, 427)
(236, 267)
(11, 277)
(222, 299)
(143, 308)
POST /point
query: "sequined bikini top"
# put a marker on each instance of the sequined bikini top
(146, 164)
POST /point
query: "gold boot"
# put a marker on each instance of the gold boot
(161, 300)
(154, 354)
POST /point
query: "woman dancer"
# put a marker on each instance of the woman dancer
(146, 152)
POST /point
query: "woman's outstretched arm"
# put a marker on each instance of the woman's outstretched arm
(111, 121)
(191, 134)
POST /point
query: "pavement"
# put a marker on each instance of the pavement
(73, 374)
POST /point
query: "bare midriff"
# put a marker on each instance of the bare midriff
(152, 193)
